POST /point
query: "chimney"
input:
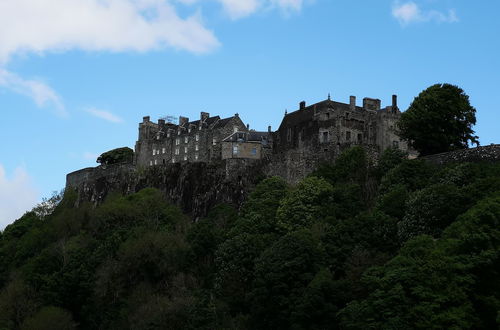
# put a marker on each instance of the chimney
(352, 102)
(269, 129)
(161, 122)
(302, 105)
(204, 116)
(248, 126)
(183, 120)
(145, 119)
(236, 115)
(394, 102)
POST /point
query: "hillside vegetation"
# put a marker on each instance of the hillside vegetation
(398, 245)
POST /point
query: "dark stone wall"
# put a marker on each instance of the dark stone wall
(489, 153)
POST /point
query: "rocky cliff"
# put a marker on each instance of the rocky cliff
(194, 187)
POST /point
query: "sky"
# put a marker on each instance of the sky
(76, 77)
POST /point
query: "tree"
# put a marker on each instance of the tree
(118, 155)
(439, 119)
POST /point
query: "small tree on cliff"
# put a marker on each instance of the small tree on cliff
(439, 119)
(118, 155)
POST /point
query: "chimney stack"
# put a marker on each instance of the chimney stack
(183, 120)
(394, 102)
(145, 119)
(302, 105)
(204, 116)
(161, 122)
(269, 129)
(352, 102)
(248, 126)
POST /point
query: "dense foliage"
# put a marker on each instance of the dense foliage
(115, 156)
(439, 119)
(400, 244)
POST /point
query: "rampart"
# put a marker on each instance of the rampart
(490, 153)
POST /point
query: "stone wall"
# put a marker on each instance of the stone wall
(490, 153)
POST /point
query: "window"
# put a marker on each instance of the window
(327, 115)
(235, 129)
(196, 147)
(324, 137)
(185, 157)
(348, 136)
(253, 152)
(150, 163)
(186, 139)
(189, 130)
(289, 134)
(179, 132)
(177, 141)
(156, 162)
(197, 137)
(173, 160)
(163, 161)
(163, 150)
(168, 134)
(154, 151)
(214, 141)
(235, 150)
(185, 150)
(196, 156)
(360, 137)
(395, 144)
(176, 151)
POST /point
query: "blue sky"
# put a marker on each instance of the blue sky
(76, 77)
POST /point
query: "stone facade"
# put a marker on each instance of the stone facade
(195, 141)
(247, 145)
(320, 132)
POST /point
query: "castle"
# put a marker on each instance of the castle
(309, 135)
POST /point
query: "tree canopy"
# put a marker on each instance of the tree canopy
(399, 244)
(439, 119)
(115, 156)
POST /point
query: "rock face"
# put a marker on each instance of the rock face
(194, 187)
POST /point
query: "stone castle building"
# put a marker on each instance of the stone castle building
(304, 138)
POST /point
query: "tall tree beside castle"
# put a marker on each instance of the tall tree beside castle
(439, 119)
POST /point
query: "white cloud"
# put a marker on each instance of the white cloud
(237, 9)
(17, 195)
(38, 26)
(103, 114)
(409, 12)
(42, 94)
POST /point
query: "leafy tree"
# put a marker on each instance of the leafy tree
(423, 288)
(115, 156)
(430, 210)
(439, 119)
(282, 274)
(50, 318)
(305, 204)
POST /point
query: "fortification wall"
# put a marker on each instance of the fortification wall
(490, 153)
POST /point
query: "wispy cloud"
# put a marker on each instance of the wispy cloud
(42, 94)
(17, 195)
(103, 114)
(237, 9)
(38, 26)
(410, 12)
